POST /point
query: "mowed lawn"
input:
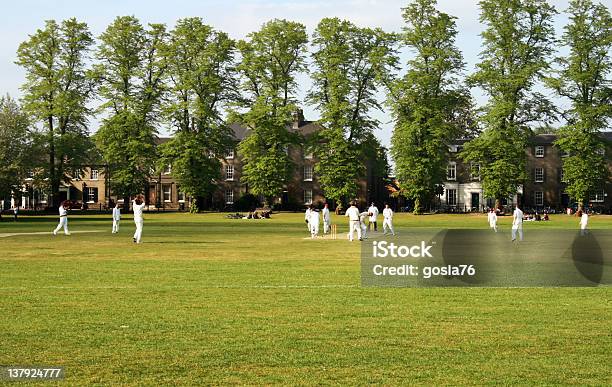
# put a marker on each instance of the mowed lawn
(209, 300)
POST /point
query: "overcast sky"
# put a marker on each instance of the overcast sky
(23, 17)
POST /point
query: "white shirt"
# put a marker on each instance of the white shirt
(517, 217)
(307, 216)
(63, 211)
(584, 220)
(116, 213)
(326, 216)
(492, 218)
(388, 213)
(314, 217)
(137, 210)
(352, 213)
(374, 211)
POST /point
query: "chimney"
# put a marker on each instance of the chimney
(298, 118)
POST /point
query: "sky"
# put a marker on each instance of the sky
(237, 18)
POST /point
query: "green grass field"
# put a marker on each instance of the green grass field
(208, 300)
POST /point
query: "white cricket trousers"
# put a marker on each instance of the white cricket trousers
(138, 234)
(364, 231)
(388, 226)
(115, 225)
(62, 223)
(354, 226)
(326, 226)
(519, 228)
(314, 230)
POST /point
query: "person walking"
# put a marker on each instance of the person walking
(517, 223)
(63, 218)
(138, 205)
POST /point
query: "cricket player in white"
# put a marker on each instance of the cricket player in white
(326, 219)
(116, 218)
(373, 210)
(307, 218)
(314, 223)
(492, 218)
(584, 222)
(138, 205)
(353, 214)
(63, 221)
(517, 223)
(362, 224)
(388, 220)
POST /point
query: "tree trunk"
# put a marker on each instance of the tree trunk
(417, 206)
(53, 179)
(497, 204)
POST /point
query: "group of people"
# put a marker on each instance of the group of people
(518, 217)
(357, 221)
(138, 205)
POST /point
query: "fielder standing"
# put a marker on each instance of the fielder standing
(326, 219)
(116, 218)
(314, 223)
(584, 222)
(307, 217)
(517, 223)
(373, 210)
(492, 217)
(388, 220)
(353, 214)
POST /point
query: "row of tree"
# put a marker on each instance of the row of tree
(198, 80)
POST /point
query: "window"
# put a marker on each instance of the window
(168, 169)
(229, 153)
(539, 175)
(451, 171)
(94, 174)
(451, 197)
(562, 175)
(601, 151)
(539, 151)
(307, 196)
(229, 172)
(91, 194)
(539, 198)
(30, 174)
(565, 153)
(229, 196)
(167, 192)
(475, 171)
(453, 148)
(597, 196)
(307, 172)
(180, 194)
(77, 173)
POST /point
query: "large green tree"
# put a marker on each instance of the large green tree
(130, 72)
(350, 63)
(271, 59)
(15, 146)
(584, 78)
(201, 71)
(56, 95)
(517, 43)
(428, 102)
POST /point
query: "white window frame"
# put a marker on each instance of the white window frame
(308, 197)
(452, 166)
(77, 174)
(229, 172)
(308, 172)
(536, 177)
(230, 153)
(450, 202)
(168, 169)
(169, 192)
(229, 196)
(598, 196)
(180, 195)
(475, 177)
(94, 176)
(538, 198)
(539, 151)
(90, 195)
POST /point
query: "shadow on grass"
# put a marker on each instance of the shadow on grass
(183, 243)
